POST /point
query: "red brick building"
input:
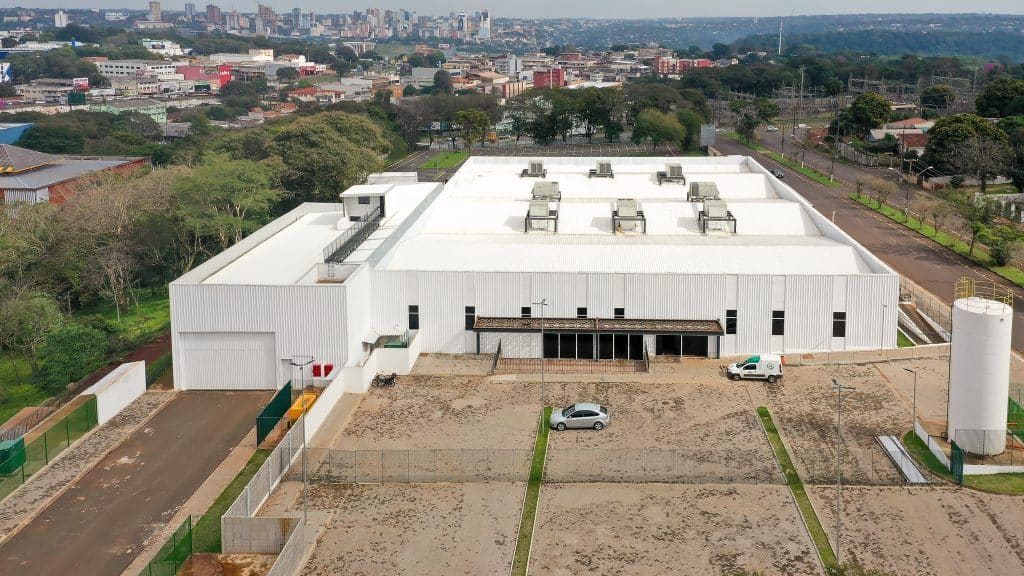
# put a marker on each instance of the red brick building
(551, 78)
(33, 177)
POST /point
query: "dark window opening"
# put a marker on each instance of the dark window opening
(636, 347)
(604, 346)
(620, 313)
(778, 323)
(668, 345)
(566, 345)
(414, 317)
(585, 346)
(839, 324)
(470, 317)
(581, 312)
(526, 312)
(730, 321)
(550, 345)
(364, 199)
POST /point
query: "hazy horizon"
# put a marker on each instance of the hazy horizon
(636, 9)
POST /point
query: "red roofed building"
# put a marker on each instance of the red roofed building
(34, 177)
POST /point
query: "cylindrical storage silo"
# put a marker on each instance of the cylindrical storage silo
(979, 374)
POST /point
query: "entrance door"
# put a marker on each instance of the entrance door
(636, 347)
(695, 346)
(621, 346)
(550, 345)
(668, 345)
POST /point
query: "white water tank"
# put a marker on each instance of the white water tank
(979, 374)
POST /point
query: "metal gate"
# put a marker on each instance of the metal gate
(956, 463)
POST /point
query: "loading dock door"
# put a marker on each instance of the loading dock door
(695, 346)
(228, 361)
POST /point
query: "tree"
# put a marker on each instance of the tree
(657, 128)
(443, 82)
(1002, 240)
(937, 96)
(867, 111)
(473, 125)
(691, 121)
(68, 354)
(978, 214)
(998, 96)
(766, 110)
(25, 320)
(409, 90)
(967, 144)
(53, 140)
(287, 74)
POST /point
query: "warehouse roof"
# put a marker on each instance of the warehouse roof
(478, 221)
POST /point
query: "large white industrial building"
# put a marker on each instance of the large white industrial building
(631, 256)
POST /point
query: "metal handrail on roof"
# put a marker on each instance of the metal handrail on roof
(346, 244)
(967, 287)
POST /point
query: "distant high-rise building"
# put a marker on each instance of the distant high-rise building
(485, 25)
(154, 12)
(462, 22)
(60, 19)
(269, 18)
(213, 14)
(296, 17)
(190, 11)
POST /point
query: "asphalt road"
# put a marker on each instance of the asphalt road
(931, 266)
(101, 523)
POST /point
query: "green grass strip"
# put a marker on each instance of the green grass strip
(206, 532)
(157, 368)
(997, 483)
(521, 559)
(446, 160)
(819, 177)
(903, 341)
(796, 486)
(980, 256)
(752, 145)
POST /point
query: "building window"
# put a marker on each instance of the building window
(620, 313)
(839, 324)
(778, 323)
(581, 312)
(364, 199)
(526, 312)
(730, 321)
(414, 317)
(470, 317)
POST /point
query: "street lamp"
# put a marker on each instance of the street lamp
(914, 414)
(543, 391)
(839, 461)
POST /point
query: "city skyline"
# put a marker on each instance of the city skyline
(602, 9)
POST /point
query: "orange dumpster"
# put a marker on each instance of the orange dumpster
(301, 405)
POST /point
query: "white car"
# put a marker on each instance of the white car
(771, 129)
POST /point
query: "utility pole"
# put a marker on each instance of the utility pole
(913, 418)
(780, 35)
(839, 462)
(797, 105)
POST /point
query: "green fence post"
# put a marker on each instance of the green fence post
(46, 450)
(67, 428)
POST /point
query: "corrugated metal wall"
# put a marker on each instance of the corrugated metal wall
(303, 319)
(808, 302)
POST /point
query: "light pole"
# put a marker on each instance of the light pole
(839, 462)
(918, 175)
(914, 414)
(543, 391)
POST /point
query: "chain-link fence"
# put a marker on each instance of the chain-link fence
(861, 466)
(990, 447)
(563, 465)
(24, 460)
(927, 304)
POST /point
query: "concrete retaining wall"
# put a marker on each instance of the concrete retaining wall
(118, 389)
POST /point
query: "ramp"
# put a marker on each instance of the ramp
(901, 458)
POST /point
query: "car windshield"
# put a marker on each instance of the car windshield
(568, 410)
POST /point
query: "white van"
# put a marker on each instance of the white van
(764, 367)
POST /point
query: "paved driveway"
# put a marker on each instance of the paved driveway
(100, 524)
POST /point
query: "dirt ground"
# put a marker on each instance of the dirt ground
(417, 529)
(228, 565)
(655, 529)
(929, 531)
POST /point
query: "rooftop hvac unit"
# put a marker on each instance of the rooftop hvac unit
(539, 209)
(701, 191)
(674, 170)
(603, 170)
(535, 170)
(627, 208)
(546, 191)
(716, 209)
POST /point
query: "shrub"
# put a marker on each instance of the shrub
(69, 354)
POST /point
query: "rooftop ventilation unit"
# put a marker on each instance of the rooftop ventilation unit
(627, 215)
(603, 170)
(546, 191)
(540, 217)
(716, 216)
(535, 170)
(673, 173)
(701, 191)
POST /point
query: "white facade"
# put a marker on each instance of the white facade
(979, 374)
(135, 68)
(787, 281)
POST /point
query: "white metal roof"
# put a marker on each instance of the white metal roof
(477, 223)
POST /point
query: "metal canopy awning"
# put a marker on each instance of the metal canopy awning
(375, 334)
(646, 326)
